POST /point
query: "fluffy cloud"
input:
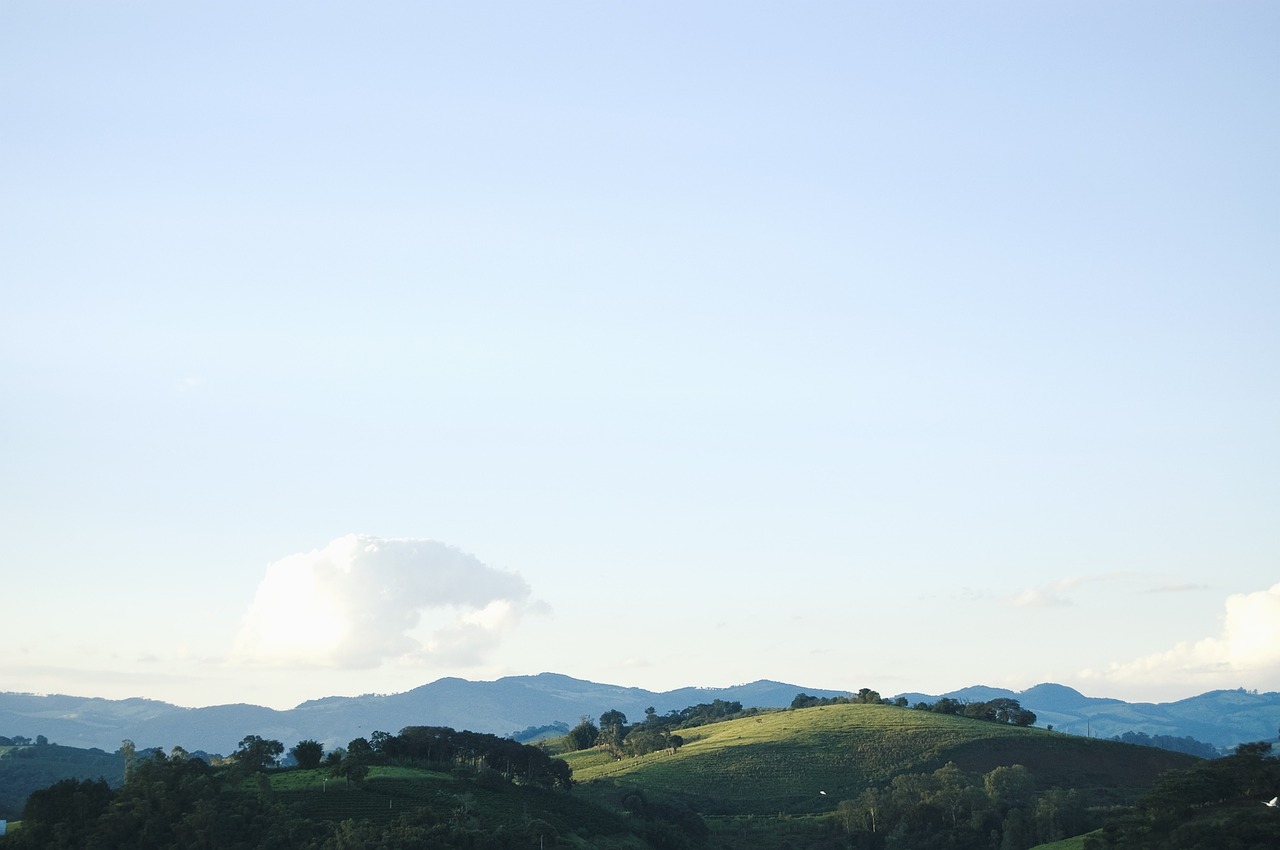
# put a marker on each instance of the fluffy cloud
(356, 602)
(1246, 653)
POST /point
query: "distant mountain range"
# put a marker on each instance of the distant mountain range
(515, 703)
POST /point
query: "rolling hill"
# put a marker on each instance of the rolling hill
(507, 705)
(766, 781)
(782, 761)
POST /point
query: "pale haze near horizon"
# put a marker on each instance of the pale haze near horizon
(913, 346)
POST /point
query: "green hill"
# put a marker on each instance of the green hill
(27, 768)
(781, 761)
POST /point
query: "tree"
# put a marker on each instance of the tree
(1005, 710)
(257, 754)
(613, 728)
(64, 814)
(1009, 786)
(308, 754)
(583, 736)
(352, 769)
(378, 739)
(129, 752)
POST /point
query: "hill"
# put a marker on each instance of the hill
(24, 769)
(504, 706)
(1223, 718)
(765, 781)
(783, 761)
(499, 707)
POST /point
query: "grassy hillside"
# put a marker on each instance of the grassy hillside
(780, 762)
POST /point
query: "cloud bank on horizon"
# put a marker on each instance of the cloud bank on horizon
(1246, 651)
(358, 602)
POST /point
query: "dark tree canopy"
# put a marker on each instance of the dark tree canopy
(583, 736)
(308, 754)
(257, 754)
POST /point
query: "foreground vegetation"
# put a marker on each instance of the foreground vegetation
(1214, 805)
(471, 791)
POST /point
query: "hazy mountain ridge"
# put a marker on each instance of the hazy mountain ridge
(1223, 718)
(504, 706)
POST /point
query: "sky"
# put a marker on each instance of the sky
(911, 346)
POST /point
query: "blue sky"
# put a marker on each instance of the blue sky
(895, 345)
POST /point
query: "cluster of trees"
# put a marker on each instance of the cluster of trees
(865, 696)
(955, 810)
(1214, 804)
(176, 800)
(435, 746)
(1002, 710)
(29, 765)
(165, 802)
(1185, 744)
(442, 746)
(23, 741)
(656, 732)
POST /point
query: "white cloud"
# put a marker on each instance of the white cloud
(1246, 653)
(355, 603)
(1053, 596)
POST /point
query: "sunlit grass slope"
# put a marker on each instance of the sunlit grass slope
(781, 762)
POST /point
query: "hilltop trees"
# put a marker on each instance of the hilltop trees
(1002, 710)
(515, 762)
(656, 732)
(255, 754)
(308, 754)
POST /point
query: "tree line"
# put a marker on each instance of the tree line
(955, 810)
(1001, 710)
(1214, 804)
(180, 801)
(656, 732)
